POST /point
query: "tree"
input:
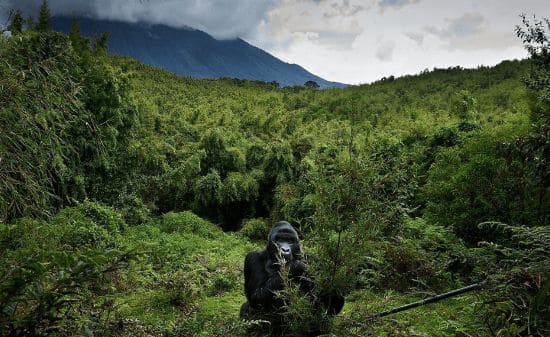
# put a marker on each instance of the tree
(79, 42)
(311, 85)
(101, 42)
(16, 24)
(74, 33)
(30, 23)
(536, 39)
(535, 148)
(44, 17)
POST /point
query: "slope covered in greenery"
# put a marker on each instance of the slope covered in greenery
(129, 196)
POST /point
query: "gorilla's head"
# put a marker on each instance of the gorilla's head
(283, 241)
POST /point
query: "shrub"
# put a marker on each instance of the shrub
(59, 278)
(88, 224)
(187, 222)
(404, 264)
(183, 288)
(223, 282)
(61, 126)
(133, 210)
(256, 229)
(487, 179)
(517, 267)
(239, 195)
(208, 193)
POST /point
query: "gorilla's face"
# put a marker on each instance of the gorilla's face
(283, 242)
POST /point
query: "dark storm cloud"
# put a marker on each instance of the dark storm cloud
(220, 18)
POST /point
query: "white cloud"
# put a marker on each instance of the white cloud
(385, 51)
(332, 24)
(468, 33)
(416, 37)
(471, 31)
(344, 8)
(466, 25)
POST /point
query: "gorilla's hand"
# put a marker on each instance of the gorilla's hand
(296, 269)
(275, 283)
(272, 267)
(298, 273)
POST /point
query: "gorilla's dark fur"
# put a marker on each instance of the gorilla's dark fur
(262, 278)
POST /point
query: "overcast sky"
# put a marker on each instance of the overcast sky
(350, 41)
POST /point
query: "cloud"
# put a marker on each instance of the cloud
(471, 31)
(416, 37)
(223, 19)
(333, 40)
(464, 26)
(338, 39)
(328, 23)
(384, 52)
(395, 3)
(343, 9)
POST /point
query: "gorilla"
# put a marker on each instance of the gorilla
(262, 278)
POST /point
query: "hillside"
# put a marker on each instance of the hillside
(193, 53)
(130, 195)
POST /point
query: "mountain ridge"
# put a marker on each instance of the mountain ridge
(192, 52)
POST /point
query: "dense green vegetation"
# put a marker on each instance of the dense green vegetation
(129, 196)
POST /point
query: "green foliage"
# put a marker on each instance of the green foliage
(208, 192)
(46, 292)
(467, 106)
(218, 156)
(101, 43)
(519, 280)
(211, 147)
(59, 276)
(64, 121)
(44, 17)
(133, 210)
(16, 23)
(534, 148)
(182, 288)
(84, 271)
(256, 229)
(485, 179)
(497, 175)
(534, 36)
(301, 315)
(78, 41)
(384, 181)
(187, 222)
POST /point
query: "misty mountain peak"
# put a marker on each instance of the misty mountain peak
(190, 52)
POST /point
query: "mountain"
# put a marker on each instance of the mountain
(194, 53)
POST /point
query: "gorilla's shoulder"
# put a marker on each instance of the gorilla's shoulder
(256, 256)
(254, 263)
